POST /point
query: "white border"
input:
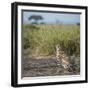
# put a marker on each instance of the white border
(82, 49)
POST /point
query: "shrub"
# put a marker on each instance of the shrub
(47, 36)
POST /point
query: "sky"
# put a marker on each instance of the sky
(52, 18)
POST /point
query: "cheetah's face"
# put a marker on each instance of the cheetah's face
(58, 47)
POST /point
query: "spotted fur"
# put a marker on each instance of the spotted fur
(62, 58)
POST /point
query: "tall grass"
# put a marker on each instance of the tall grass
(43, 38)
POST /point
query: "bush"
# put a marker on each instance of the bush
(47, 36)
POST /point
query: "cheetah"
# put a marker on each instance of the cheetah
(62, 58)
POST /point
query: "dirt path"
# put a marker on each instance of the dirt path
(42, 67)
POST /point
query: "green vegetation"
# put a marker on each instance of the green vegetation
(42, 39)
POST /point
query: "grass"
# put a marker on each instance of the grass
(42, 39)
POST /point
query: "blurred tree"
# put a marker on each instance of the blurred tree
(42, 23)
(58, 21)
(36, 18)
(78, 24)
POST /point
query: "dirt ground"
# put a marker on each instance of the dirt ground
(32, 67)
